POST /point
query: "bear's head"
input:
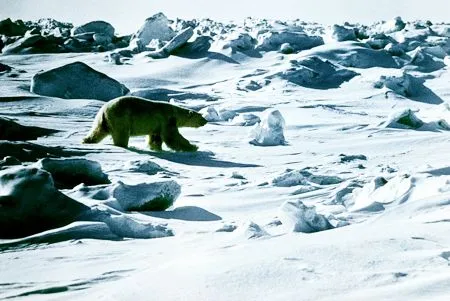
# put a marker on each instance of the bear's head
(191, 119)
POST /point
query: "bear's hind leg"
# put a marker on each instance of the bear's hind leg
(120, 137)
(174, 140)
(155, 141)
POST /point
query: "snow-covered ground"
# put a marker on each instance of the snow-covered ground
(323, 173)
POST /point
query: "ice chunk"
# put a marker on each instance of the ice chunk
(155, 27)
(297, 217)
(272, 40)
(250, 230)
(68, 173)
(303, 177)
(70, 82)
(342, 33)
(30, 203)
(270, 131)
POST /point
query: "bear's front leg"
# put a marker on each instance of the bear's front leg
(173, 139)
(155, 142)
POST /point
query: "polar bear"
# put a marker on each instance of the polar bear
(134, 116)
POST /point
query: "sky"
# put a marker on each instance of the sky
(127, 15)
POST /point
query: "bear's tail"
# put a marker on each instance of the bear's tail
(99, 128)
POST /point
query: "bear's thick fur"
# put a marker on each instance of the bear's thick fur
(134, 116)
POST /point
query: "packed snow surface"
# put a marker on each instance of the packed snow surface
(322, 174)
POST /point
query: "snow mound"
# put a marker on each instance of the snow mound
(30, 203)
(407, 119)
(272, 40)
(270, 131)
(27, 152)
(237, 41)
(246, 119)
(96, 27)
(156, 196)
(11, 130)
(155, 27)
(303, 177)
(250, 230)
(143, 166)
(125, 226)
(353, 54)
(76, 80)
(313, 72)
(67, 173)
(297, 217)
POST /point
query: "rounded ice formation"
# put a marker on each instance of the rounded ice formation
(155, 27)
(270, 131)
(68, 173)
(297, 217)
(30, 203)
(96, 27)
(76, 80)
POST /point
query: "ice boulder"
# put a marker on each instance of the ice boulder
(313, 72)
(175, 43)
(155, 27)
(213, 114)
(246, 119)
(406, 84)
(272, 40)
(97, 27)
(394, 49)
(10, 28)
(197, 48)
(10, 130)
(390, 26)
(405, 119)
(67, 173)
(30, 203)
(238, 41)
(210, 114)
(303, 177)
(423, 61)
(76, 80)
(343, 33)
(270, 131)
(157, 196)
(23, 45)
(286, 48)
(297, 217)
